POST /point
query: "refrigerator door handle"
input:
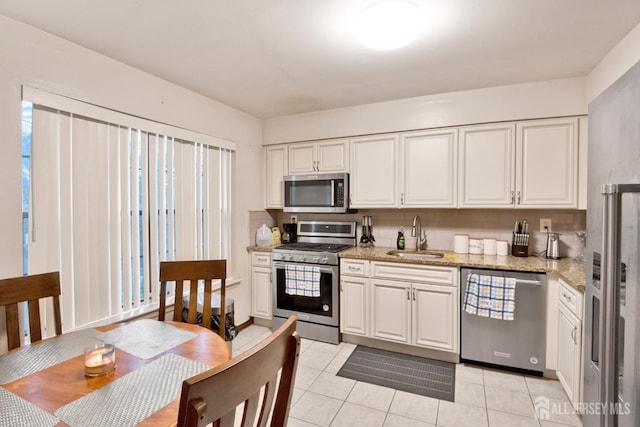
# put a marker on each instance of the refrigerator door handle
(610, 302)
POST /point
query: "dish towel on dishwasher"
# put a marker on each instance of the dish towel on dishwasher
(490, 296)
(303, 280)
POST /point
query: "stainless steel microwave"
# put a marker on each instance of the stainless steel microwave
(320, 193)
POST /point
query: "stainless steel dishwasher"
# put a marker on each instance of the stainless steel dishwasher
(517, 343)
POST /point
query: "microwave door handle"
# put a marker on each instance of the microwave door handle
(333, 193)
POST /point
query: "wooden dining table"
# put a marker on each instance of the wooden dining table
(145, 353)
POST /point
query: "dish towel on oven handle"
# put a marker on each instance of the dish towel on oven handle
(490, 296)
(302, 280)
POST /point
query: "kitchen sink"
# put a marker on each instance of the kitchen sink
(416, 254)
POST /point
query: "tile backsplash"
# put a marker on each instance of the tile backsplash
(442, 224)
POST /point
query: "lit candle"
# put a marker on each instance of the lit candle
(99, 359)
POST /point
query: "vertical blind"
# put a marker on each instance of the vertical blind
(109, 201)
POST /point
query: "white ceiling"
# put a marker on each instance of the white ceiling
(277, 57)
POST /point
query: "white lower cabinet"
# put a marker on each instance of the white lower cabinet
(569, 345)
(354, 297)
(390, 310)
(261, 289)
(434, 312)
(403, 303)
(569, 362)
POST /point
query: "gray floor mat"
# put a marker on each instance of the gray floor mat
(426, 377)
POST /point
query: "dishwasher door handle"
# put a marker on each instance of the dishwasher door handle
(529, 282)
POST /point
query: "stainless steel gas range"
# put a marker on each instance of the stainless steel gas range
(306, 278)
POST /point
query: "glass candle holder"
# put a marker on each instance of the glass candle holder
(99, 360)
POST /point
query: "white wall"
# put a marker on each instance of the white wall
(617, 62)
(555, 98)
(34, 58)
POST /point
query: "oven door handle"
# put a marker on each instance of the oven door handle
(328, 270)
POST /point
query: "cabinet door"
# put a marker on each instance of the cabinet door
(373, 171)
(277, 165)
(390, 310)
(261, 292)
(547, 163)
(434, 314)
(353, 305)
(569, 345)
(428, 169)
(302, 158)
(486, 166)
(333, 156)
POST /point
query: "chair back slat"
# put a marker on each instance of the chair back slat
(193, 272)
(29, 289)
(215, 394)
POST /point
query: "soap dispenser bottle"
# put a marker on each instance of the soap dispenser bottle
(400, 241)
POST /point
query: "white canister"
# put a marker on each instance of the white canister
(476, 246)
(502, 247)
(461, 243)
(489, 246)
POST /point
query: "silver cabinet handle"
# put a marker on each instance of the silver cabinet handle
(414, 294)
(512, 196)
(573, 334)
(518, 198)
(408, 294)
(352, 268)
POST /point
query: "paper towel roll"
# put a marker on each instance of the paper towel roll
(461, 243)
(489, 246)
(502, 247)
(476, 246)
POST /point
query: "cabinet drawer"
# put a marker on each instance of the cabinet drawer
(354, 267)
(261, 259)
(414, 273)
(570, 298)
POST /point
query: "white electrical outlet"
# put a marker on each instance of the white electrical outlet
(294, 219)
(545, 222)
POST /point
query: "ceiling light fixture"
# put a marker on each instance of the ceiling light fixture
(388, 24)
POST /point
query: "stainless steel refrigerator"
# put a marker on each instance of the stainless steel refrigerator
(611, 393)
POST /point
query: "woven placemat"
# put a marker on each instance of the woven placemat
(45, 354)
(17, 412)
(146, 338)
(134, 397)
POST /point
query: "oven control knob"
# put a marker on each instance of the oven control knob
(324, 260)
(315, 259)
(301, 259)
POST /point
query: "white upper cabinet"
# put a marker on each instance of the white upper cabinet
(547, 163)
(531, 164)
(428, 169)
(319, 157)
(277, 163)
(486, 172)
(373, 177)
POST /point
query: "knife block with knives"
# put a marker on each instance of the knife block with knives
(520, 242)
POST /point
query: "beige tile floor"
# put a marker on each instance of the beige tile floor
(484, 397)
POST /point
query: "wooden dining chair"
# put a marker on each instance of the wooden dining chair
(193, 272)
(29, 289)
(250, 378)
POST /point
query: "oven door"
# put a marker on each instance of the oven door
(322, 309)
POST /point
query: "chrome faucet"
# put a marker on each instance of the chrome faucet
(418, 233)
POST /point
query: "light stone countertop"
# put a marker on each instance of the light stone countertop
(569, 270)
